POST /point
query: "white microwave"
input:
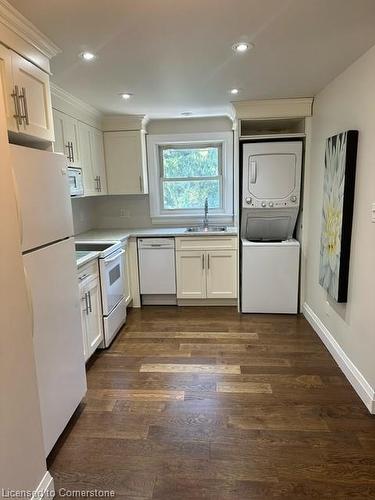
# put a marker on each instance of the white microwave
(75, 181)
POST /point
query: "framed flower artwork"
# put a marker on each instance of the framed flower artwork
(337, 215)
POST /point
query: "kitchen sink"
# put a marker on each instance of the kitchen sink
(209, 229)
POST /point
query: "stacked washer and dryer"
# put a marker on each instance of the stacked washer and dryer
(271, 189)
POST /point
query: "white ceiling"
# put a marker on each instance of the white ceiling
(176, 56)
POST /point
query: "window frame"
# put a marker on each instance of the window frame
(155, 146)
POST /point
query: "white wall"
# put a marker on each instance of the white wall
(348, 102)
(22, 464)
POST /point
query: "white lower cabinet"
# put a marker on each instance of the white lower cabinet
(91, 308)
(203, 273)
(221, 274)
(191, 279)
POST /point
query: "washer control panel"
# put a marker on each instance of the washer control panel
(250, 202)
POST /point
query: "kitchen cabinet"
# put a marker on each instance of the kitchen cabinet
(67, 138)
(221, 274)
(191, 275)
(206, 267)
(7, 84)
(91, 309)
(92, 160)
(27, 96)
(125, 156)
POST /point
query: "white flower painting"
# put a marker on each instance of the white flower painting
(335, 209)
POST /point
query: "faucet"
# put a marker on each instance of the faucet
(205, 220)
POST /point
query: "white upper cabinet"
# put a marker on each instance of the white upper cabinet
(66, 137)
(92, 160)
(11, 105)
(125, 155)
(34, 97)
(27, 96)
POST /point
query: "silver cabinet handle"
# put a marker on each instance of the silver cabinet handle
(87, 305)
(72, 150)
(202, 260)
(83, 277)
(17, 114)
(208, 261)
(90, 306)
(69, 154)
(96, 179)
(100, 183)
(23, 99)
(141, 184)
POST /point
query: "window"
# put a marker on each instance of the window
(184, 171)
(189, 174)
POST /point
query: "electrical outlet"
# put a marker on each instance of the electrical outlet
(124, 212)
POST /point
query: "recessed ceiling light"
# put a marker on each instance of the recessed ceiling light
(126, 95)
(88, 56)
(186, 113)
(234, 91)
(242, 47)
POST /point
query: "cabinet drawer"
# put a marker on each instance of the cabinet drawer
(206, 243)
(88, 270)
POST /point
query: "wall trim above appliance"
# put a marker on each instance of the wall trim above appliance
(13, 22)
(355, 377)
(274, 108)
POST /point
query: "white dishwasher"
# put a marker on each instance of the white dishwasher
(157, 271)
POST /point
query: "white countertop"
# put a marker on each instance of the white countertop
(83, 257)
(123, 234)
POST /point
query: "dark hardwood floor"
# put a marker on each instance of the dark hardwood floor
(205, 403)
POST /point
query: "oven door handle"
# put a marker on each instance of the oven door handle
(107, 260)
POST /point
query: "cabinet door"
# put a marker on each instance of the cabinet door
(94, 318)
(191, 275)
(84, 313)
(71, 136)
(221, 274)
(97, 154)
(90, 185)
(126, 162)
(8, 87)
(35, 100)
(60, 144)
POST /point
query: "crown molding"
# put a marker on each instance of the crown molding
(17, 23)
(73, 101)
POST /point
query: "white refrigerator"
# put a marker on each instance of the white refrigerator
(50, 268)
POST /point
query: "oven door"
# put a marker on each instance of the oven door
(112, 281)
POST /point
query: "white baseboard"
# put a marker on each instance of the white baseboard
(355, 377)
(45, 486)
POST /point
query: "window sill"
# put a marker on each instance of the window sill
(184, 220)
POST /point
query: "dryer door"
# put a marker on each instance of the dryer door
(272, 172)
(271, 176)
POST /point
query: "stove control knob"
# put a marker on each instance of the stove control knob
(270, 204)
(248, 200)
(293, 198)
(264, 204)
